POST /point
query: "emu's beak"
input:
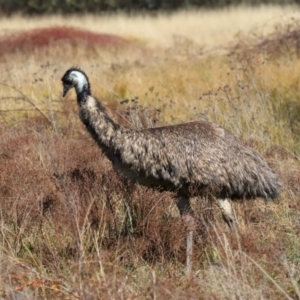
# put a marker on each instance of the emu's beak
(67, 87)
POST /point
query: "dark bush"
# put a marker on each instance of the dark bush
(96, 6)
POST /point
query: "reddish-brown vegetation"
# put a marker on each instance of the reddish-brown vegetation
(41, 37)
(61, 189)
(52, 178)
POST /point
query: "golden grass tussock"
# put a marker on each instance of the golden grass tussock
(208, 28)
(71, 228)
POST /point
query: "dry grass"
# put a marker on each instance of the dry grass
(210, 29)
(73, 229)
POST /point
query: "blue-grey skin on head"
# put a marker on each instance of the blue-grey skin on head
(75, 77)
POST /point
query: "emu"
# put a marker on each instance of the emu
(192, 159)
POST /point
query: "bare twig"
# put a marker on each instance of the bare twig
(27, 99)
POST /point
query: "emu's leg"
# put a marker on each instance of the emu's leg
(185, 210)
(227, 212)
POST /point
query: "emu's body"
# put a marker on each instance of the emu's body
(191, 158)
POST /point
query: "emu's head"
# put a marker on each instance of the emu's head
(75, 77)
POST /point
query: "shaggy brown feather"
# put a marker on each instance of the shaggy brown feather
(199, 154)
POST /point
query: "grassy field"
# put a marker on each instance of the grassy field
(73, 229)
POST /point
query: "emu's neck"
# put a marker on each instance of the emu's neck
(82, 88)
(93, 115)
(102, 128)
(82, 91)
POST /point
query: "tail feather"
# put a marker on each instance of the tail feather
(265, 182)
